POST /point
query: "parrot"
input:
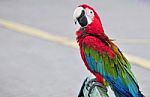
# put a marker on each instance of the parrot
(101, 55)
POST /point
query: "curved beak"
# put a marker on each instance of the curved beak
(80, 16)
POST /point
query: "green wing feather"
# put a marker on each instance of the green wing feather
(115, 70)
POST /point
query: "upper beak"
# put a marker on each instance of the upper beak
(80, 16)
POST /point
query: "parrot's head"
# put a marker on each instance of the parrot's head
(86, 17)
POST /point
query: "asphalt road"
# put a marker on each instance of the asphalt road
(32, 67)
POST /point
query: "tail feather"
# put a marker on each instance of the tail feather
(140, 94)
(128, 88)
(119, 93)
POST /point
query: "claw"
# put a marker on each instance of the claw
(89, 84)
(92, 88)
(103, 88)
(100, 85)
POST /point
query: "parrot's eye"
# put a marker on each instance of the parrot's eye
(91, 11)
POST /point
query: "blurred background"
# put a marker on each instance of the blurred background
(35, 67)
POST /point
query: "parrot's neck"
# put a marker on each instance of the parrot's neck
(84, 32)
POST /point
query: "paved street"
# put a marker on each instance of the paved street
(33, 67)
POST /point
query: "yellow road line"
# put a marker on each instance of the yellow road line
(138, 61)
(61, 40)
(134, 41)
(34, 32)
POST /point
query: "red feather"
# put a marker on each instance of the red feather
(93, 35)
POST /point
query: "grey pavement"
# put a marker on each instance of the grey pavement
(32, 67)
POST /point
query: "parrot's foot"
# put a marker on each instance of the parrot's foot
(89, 84)
(97, 84)
(92, 88)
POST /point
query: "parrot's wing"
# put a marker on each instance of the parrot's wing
(115, 70)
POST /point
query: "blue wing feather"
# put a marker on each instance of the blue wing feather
(115, 70)
(119, 87)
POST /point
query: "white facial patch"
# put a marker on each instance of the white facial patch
(89, 12)
(89, 15)
(77, 13)
(89, 19)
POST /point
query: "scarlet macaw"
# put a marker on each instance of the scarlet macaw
(101, 56)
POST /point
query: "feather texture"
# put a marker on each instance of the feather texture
(103, 58)
(109, 62)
